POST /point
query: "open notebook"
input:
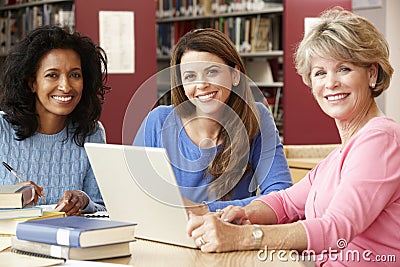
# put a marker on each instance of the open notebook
(138, 185)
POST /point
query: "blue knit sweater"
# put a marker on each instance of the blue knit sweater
(52, 161)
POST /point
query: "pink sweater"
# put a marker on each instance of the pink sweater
(351, 199)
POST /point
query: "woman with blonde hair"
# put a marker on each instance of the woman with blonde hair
(346, 210)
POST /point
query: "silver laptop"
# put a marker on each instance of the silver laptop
(138, 185)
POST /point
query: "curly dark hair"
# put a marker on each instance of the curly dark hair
(17, 100)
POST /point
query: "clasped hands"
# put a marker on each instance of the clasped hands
(219, 231)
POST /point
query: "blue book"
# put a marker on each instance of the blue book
(76, 231)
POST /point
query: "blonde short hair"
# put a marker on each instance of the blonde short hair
(347, 37)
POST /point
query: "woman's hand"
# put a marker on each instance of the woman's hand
(212, 234)
(38, 192)
(234, 214)
(73, 202)
(194, 207)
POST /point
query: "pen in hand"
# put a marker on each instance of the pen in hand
(16, 174)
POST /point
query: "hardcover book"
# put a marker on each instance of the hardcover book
(70, 253)
(9, 226)
(260, 34)
(76, 231)
(28, 211)
(16, 195)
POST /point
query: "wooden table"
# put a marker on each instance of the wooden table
(147, 253)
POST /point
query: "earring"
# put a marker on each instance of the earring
(235, 84)
(373, 85)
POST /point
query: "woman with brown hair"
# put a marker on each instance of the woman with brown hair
(221, 143)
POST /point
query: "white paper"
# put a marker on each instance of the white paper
(5, 242)
(309, 23)
(362, 4)
(118, 40)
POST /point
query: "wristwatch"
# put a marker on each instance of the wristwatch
(257, 235)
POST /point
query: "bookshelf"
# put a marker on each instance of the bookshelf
(243, 22)
(19, 17)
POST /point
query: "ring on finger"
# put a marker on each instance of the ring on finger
(219, 211)
(201, 241)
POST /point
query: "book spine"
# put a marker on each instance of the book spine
(48, 235)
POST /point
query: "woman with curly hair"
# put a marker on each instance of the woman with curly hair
(53, 86)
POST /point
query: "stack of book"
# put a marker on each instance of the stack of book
(15, 196)
(74, 238)
(14, 200)
(15, 208)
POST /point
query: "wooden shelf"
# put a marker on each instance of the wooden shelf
(274, 84)
(271, 8)
(34, 3)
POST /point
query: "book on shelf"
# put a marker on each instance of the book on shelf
(9, 226)
(275, 32)
(260, 33)
(171, 8)
(16, 195)
(70, 253)
(76, 231)
(27, 211)
(16, 22)
(8, 2)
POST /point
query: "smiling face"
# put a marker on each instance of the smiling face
(342, 88)
(58, 84)
(207, 80)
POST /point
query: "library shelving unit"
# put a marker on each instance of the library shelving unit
(19, 17)
(255, 28)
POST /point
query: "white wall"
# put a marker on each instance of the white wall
(392, 96)
(385, 16)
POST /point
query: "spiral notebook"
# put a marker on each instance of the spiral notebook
(138, 185)
(11, 259)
